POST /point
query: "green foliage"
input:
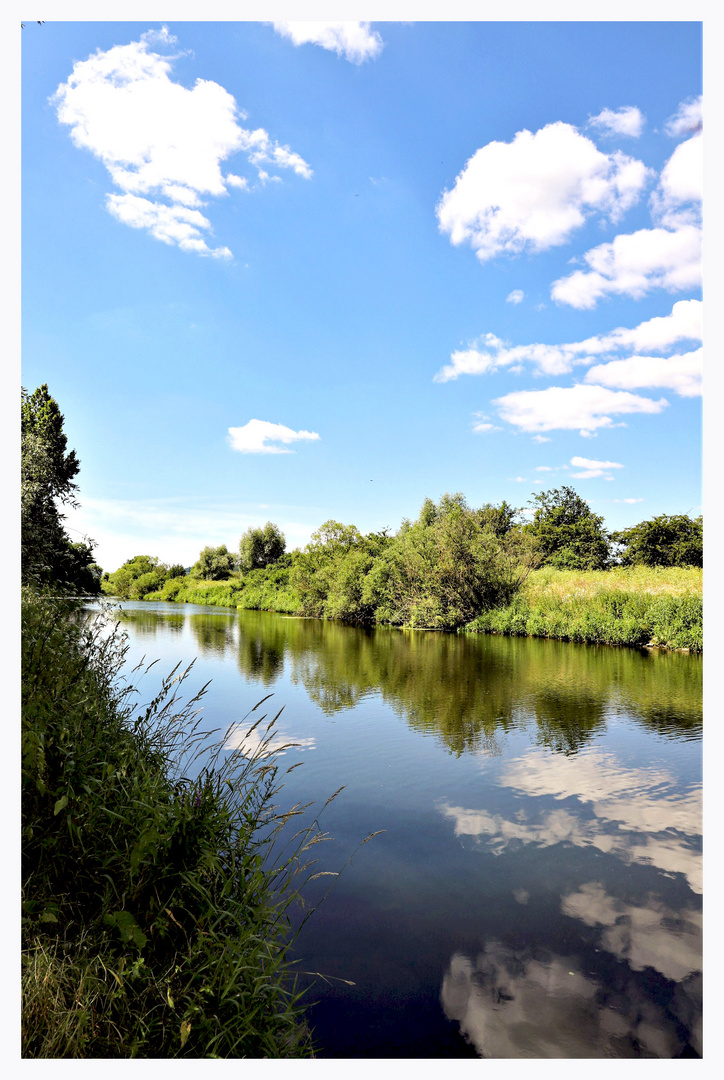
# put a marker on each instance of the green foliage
(214, 564)
(568, 535)
(156, 895)
(609, 615)
(48, 470)
(443, 569)
(139, 576)
(261, 547)
(666, 540)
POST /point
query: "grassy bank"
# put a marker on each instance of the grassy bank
(156, 899)
(257, 590)
(626, 606)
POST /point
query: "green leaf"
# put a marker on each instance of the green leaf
(60, 805)
(48, 916)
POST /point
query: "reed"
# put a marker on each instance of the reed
(159, 875)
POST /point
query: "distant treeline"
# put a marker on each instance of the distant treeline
(453, 566)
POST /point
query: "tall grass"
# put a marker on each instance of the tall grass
(159, 876)
(628, 606)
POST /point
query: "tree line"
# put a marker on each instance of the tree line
(452, 562)
(441, 570)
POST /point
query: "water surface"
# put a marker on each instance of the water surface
(537, 890)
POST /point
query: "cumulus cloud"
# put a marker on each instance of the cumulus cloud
(633, 264)
(160, 140)
(582, 408)
(677, 199)
(625, 121)
(682, 373)
(258, 437)
(515, 297)
(534, 192)
(628, 500)
(592, 468)
(353, 40)
(687, 118)
(657, 334)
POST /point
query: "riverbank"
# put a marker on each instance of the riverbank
(635, 606)
(155, 912)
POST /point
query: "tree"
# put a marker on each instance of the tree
(214, 564)
(444, 569)
(48, 470)
(568, 535)
(261, 547)
(666, 540)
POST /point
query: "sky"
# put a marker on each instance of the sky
(299, 271)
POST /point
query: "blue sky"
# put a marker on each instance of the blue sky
(309, 271)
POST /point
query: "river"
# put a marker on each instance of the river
(536, 892)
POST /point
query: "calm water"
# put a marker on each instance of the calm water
(537, 891)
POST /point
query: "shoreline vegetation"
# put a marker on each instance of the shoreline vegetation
(557, 574)
(162, 885)
(635, 606)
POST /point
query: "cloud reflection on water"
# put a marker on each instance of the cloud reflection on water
(638, 814)
(511, 1004)
(255, 744)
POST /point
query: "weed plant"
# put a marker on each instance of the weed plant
(158, 875)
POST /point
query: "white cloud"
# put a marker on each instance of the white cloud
(660, 333)
(534, 192)
(682, 374)
(585, 408)
(628, 500)
(625, 121)
(592, 469)
(515, 297)
(482, 423)
(677, 200)
(633, 264)
(353, 40)
(257, 437)
(686, 119)
(157, 138)
(171, 224)
(543, 468)
(541, 438)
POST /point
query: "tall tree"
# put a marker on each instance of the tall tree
(567, 533)
(48, 470)
(261, 547)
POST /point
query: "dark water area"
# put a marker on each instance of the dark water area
(537, 891)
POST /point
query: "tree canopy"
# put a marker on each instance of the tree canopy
(48, 470)
(261, 547)
(214, 564)
(665, 540)
(568, 535)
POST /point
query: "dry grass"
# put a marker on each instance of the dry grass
(580, 584)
